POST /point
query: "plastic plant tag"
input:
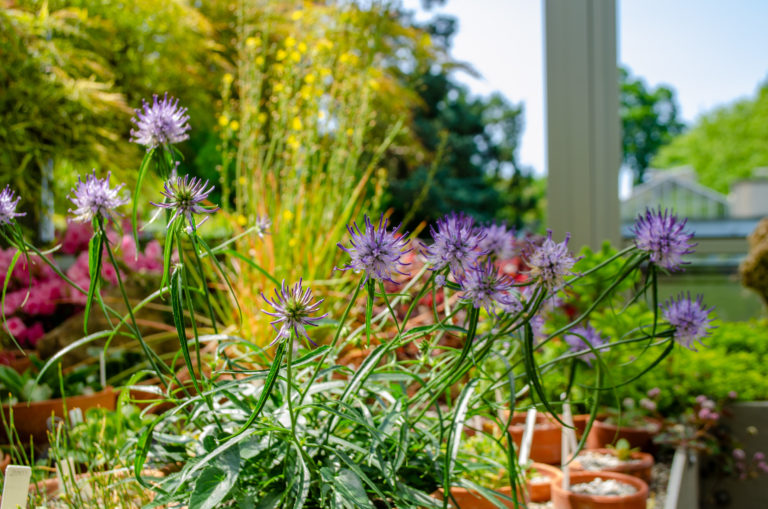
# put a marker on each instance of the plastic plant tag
(75, 417)
(16, 487)
(525, 443)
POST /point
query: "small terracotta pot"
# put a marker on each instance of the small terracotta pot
(641, 468)
(467, 499)
(541, 492)
(31, 419)
(5, 462)
(545, 445)
(562, 499)
(603, 434)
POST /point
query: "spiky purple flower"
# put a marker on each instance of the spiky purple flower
(8, 203)
(485, 287)
(581, 337)
(262, 225)
(691, 320)
(551, 262)
(162, 123)
(376, 250)
(456, 242)
(293, 309)
(663, 236)
(184, 195)
(498, 241)
(94, 198)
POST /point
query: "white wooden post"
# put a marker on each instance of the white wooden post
(583, 128)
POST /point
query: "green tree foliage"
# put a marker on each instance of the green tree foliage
(73, 71)
(648, 121)
(725, 145)
(475, 140)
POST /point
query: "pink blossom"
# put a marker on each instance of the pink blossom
(76, 237)
(763, 466)
(739, 454)
(34, 333)
(701, 399)
(15, 326)
(733, 394)
(654, 392)
(759, 456)
(648, 404)
(704, 413)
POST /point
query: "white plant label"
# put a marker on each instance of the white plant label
(525, 443)
(16, 487)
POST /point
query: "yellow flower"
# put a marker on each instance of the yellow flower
(277, 87)
(321, 115)
(296, 124)
(293, 142)
(261, 117)
(259, 60)
(296, 15)
(242, 220)
(228, 78)
(242, 181)
(375, 85)
(302, 47)
(252, 42)
(290, 42)
(324, 71)
(295, 56)
(223, 121)
(309, 78)
(306, 93)
(350, 131)
(234, 125)
(292, 242)
(281, 54)
(287, 215)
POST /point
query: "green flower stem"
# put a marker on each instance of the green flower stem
(389, 307)
(148, 352)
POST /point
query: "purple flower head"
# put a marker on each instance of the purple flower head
(93, 197)
(551, 262)
(293, 308)
(498, 241)
(456, 242)
(580, 336)
(262, 225)
(690, 319)
(661, 235)
(485, 287)
(376, 250)
(440, 281)
(185, 195)
(162, 123)
(8, 203)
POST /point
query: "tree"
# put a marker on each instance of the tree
(725, 145)
(474, 141)
(648, 121)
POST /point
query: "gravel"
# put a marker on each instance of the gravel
(591, 460)
(604, 487)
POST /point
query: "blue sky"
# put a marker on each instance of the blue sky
(711, 52)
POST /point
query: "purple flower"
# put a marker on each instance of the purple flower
(440, 281)
(262, 225)
(739, 454)
(485, 287)
(689, 318)
(580, 339)
(662, 236)
(162, 123)
(376, 250)
(551, 262)
(185, 195)
(293, 309)
(8, 204)
(456, 242)
(648, 404)
(498, 241)
(94, 198)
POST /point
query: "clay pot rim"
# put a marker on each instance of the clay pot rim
(54, 401)
(551, 469)
(586, 476)
(638, 455)
(659, 424)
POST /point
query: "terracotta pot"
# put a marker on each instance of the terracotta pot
(641, 468)
(603, 434)
(467, 499)
(562, 499)
(31, 419)
(545, 445)
(5, 462)
(541, 492)
(580, 422)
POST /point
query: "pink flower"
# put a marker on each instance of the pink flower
(704, 414)
(15, 327)
(701, 399)
(759, 456)
(654, 392)
(34, 333)
(763, 466)
(76, 237)
(739, 454)
(648, 404)
(733, 394)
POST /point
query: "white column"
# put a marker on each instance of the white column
(583, 127)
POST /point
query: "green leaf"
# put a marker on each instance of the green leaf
(211, 488)
(351, 488)
(95, 248)
(139, 180)
(8, 274)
